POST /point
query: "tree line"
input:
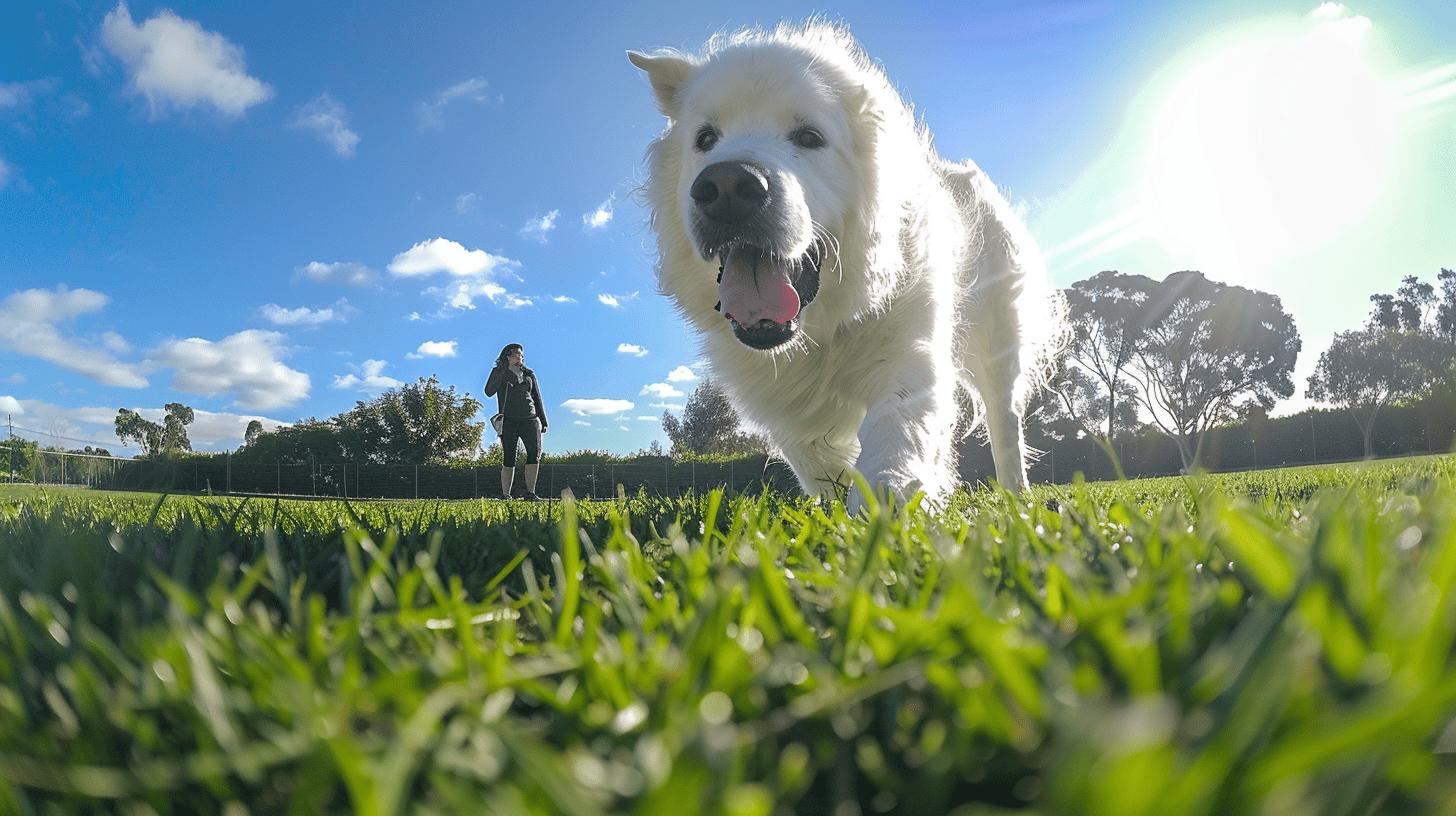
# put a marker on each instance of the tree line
(1187, 359)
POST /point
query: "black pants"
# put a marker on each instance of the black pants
(526, 430)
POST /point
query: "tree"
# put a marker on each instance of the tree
(174, 427)
(416, 423)
(1206, 353)
(254, 430)
(1446, 306)
(709, 425)
(1106, 313)
(132, 427)
(168, 437)
(1366, 370)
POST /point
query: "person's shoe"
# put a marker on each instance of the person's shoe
(531, 497)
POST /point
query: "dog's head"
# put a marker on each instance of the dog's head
(761, 183)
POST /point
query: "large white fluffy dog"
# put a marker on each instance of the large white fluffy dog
(844, 278)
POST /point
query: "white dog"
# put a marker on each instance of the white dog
(845, 279)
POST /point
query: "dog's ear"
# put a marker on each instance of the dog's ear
(668, 73)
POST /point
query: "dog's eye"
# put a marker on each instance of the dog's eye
(707, 137)
(807, 138)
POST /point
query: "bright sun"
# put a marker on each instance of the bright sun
(1270, 144)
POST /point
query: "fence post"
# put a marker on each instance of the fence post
(345, 486)
(612, 477)
(279, 489)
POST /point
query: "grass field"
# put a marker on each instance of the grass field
(1274, 642)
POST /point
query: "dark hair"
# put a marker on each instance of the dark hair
(505, 352)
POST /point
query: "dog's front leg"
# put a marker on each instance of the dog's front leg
(824, 465)
(906, 444)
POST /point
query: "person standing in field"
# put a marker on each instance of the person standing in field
(518, 395)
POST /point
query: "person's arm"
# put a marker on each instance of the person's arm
(493, 383)
(540, 405)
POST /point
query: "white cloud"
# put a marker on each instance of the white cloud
(465, 202)
(681, 374)
(370, 377)
(473, 270)
(623, 428)
(4, 172)
(10, 405)
(646, 419)
(176, 63)
(539, 229)
(115, 343)
(413, 316)
(28, 326)
(632, 349)
(435, 348)
(661, 391)
(597, 407)
(444, 255)
(515, 301)
(19, 94)
(356, 274)
(327, 119)
(304, 316)
(600, 217)
(245, 365)
(615, 301)
(563, 299)
(583, 423)
(432, 113)
(666, 406)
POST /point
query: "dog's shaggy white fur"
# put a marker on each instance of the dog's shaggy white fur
(913, 277)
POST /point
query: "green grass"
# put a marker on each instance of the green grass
(1274, 642)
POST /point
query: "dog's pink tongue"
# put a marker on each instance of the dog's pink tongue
(752, 290)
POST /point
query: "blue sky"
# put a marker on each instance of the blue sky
(275, 209)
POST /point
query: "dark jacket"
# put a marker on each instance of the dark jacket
(517, 400)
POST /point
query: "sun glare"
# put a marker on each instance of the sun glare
(1270, 143)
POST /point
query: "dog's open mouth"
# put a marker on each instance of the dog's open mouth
(763, 295)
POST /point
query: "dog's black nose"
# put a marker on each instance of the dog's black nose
(730, 191)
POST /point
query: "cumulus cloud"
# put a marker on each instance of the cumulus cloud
(176, 63)
(563, 299)
(600, 217)
(432, 112)
(444, 255)
(11, 405)
(435, 348)
(632, 349)
(354, 274)
(598, 407)
(28, 326)
(245, 365)
(539, 229)
(326, 118)
(474, 271)
(304, 316)
(514, 301)
(367, 377)
(681, 374)
(661, 391)
(115, 343)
